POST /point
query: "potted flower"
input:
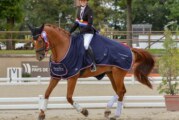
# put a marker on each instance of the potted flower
(169, 70)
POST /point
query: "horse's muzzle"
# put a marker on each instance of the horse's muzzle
(40, 57)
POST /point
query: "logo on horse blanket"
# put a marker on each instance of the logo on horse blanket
(58, 69)
(107, 53)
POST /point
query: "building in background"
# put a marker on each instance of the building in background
(139, 29)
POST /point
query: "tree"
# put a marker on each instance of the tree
(151, 12)
(11, 11)
(129, 22)
(42, 11)
(47, 11)
(169, 65)
(126, 5)
(103, 14)
(173, 7)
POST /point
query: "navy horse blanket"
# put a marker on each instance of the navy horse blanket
(107, 53)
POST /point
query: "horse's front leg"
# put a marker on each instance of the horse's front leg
(70, 90)
(44, 102)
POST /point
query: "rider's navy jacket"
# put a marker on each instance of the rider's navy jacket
(84, 22)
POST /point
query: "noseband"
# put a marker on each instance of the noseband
(42, 48)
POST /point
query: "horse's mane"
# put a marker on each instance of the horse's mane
(59, 29)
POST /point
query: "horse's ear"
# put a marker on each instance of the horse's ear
(30, 27)
(42, 27)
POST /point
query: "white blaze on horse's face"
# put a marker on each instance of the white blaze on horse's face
(40, 48)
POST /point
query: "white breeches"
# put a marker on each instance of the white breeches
(87, 39)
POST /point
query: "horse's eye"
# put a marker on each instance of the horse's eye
(40, 42)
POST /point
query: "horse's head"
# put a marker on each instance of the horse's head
(40, 41)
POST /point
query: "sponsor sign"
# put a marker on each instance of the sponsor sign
(14, 72)
(35, 69)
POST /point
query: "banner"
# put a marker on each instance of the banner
(34, 69)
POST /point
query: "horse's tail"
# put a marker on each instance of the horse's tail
(144, 63)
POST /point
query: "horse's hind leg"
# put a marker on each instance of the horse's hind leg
(70, 90)
(113, 99)
(44, 101)
(118, 75)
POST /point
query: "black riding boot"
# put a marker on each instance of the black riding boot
(90, 53)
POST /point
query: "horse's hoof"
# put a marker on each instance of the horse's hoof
(107, 113)
(41, 117)
(112, 118)
(84, 112)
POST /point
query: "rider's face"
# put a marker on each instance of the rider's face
(83, 2)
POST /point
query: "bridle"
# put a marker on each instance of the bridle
(43, 37)
(46, 47)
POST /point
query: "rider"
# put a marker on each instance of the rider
(84, 21)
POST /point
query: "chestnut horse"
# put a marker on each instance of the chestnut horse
(50, 37)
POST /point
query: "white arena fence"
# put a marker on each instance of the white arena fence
(90, 80)
(85, 101)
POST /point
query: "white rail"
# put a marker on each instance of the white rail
(84, 101)
(90, 80)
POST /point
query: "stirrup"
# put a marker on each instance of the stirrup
(93, 68)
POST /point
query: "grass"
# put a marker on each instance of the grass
(16, 52)
(31, 52)
(156, 51)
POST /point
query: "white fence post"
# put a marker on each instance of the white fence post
(13, 73)
(39, 79)
(133, 79)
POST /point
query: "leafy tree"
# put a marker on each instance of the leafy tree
(173, 7)
(99, 19)
(47, 11)
(106, 14)
(67, 8)
(169, 65)
(129, 21)
(42, 11)
(152, 12)
(126, 6)
(157, 13)
(111, 13)
(11, 12)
